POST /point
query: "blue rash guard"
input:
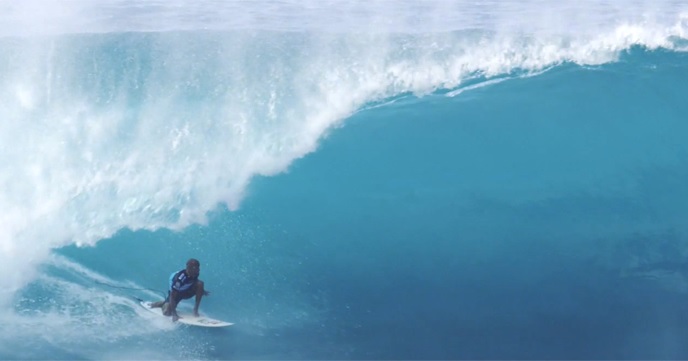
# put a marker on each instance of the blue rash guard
(183, 284)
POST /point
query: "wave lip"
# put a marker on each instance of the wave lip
(403, 16)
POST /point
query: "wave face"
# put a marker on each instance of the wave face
(359, 180)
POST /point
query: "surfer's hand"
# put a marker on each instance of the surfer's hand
(206, 293)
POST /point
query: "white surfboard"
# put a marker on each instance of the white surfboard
(188, 318)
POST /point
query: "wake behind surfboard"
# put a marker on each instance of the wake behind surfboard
(187, 318)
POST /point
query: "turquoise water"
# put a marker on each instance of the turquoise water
(354, 189)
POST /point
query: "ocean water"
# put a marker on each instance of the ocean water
(359, 180)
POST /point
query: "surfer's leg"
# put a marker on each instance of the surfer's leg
(157, 304)
(171, 306)
(164, 307)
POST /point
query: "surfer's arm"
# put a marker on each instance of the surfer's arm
(200, 292)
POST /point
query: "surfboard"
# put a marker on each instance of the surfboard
(187, 318)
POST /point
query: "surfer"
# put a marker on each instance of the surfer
(184, 284)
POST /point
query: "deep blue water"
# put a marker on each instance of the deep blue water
(451, 195)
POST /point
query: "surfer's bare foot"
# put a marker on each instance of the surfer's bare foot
(157, 304)
(175, 317)
(196, 314)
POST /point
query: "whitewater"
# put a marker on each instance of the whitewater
(360, 180)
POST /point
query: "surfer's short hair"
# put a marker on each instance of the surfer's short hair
(193, 262)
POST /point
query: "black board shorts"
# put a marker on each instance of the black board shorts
(183, 295)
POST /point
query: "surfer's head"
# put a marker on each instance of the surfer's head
(193, 267)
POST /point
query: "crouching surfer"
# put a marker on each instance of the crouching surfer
(184, 284)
